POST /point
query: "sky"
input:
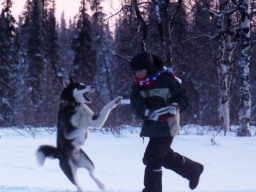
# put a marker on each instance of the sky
(229, 164)
(70, 7)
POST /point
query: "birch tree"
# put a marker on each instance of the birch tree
(227, 44)
(244, 62)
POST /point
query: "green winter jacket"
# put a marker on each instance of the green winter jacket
(165, 91)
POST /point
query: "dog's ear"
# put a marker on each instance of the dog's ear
(71, 80)
(65, 82)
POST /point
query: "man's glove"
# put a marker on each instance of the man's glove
(156, 114)
(163, 113)
(173, 109)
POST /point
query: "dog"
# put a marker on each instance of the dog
(74, 120)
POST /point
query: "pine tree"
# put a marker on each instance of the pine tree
(84, 62)
(127, 42)
(51, 42)
(183, 59)
(200, 61)
(102, 65)
(65, 51)
(53, 68)
(9, 60)
(32, 32)
(39, 51)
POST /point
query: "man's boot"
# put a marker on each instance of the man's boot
(196, 170)
(152, 180)
(184, 166)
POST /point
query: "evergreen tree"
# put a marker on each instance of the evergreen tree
(85, 56)
(33, 30)
(253, 67)
(183, 59)
(65, 51)
(39, 50)
(9, 60)
(32, 33)
(97, 19)
(127, 43)
(200, 60)
(51, 43)
(102, 66)
(53, 68)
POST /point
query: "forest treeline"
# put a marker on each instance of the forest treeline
(208, 44)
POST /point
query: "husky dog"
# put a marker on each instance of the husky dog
(74, 119)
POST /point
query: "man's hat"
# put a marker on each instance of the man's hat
(142, 61)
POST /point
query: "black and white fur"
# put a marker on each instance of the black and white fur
(74, 119)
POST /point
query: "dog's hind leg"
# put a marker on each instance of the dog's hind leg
(69, 168)
(85, 162)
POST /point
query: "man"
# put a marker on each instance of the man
(158, 98)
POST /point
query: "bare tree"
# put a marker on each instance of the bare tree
(165, 25)
(143, 25)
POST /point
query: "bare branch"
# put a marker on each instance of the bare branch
(122, 57)
(123, 8)
(252, 45)
(174, 14)
(143, 25)
(117, 54)
(206, 36)
(222, 13)
(221, 32)
(234, 2)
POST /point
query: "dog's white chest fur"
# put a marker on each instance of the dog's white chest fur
(81, 121)
(82, 117)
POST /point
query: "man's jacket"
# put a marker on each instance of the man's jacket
(165, 91)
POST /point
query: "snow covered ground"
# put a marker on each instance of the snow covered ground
(230, 164)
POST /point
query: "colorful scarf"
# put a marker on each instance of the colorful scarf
(151, 80)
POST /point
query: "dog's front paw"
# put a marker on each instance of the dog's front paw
(112, 104)
(118, 100)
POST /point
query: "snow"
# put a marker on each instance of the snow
(125, 101)
(229, 164)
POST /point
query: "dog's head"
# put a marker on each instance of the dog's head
(76, 92)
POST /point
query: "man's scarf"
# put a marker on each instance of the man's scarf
(151, 80)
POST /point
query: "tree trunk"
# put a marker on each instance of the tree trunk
(143, 26)
(245, 95)
(227, 44)
(165, 26)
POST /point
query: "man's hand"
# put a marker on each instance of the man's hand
(163, 113)
(174, 108)
(156, 114)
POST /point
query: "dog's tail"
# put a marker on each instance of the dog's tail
(45, 151)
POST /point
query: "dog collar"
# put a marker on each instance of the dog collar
(74, 104)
